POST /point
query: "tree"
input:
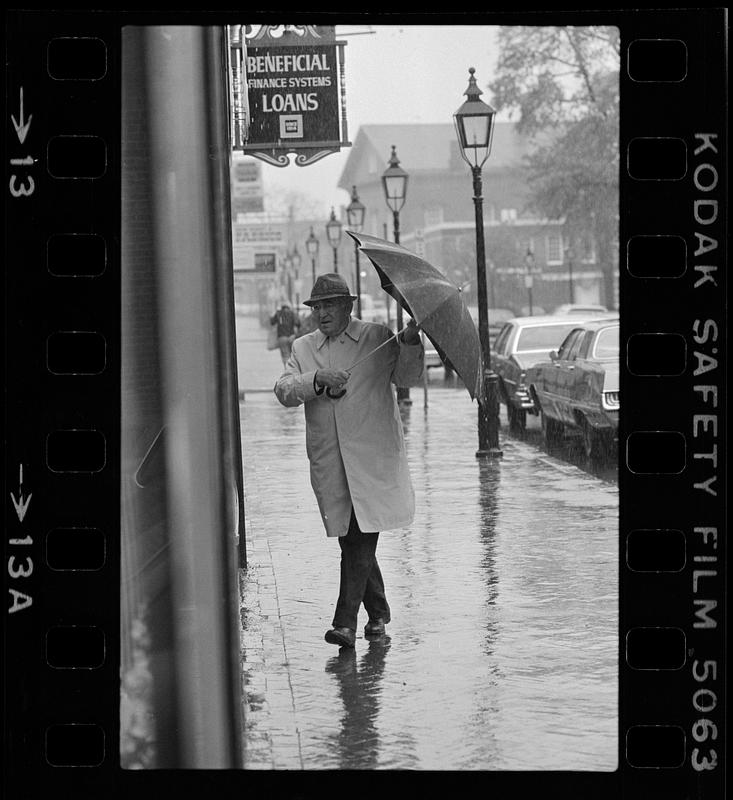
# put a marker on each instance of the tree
(563, 83)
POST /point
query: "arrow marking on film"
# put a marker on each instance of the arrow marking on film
(21, 128)
(21, 505)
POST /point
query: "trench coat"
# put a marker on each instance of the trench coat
(355, 443)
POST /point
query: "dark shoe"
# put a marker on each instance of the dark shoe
(375, 627)
(341, 636)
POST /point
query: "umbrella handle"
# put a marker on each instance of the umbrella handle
(387, 341)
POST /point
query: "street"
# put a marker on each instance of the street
(502, 650)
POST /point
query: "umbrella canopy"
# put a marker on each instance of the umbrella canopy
(433, 301)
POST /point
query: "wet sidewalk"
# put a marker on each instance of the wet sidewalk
(502, 650)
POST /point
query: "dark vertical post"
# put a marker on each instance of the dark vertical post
(388, 300)
(488, 407)
(403, 393)
(358, 280)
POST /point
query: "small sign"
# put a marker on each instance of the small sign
(247, 190)
(265, 262)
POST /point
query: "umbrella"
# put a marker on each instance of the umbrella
(434, 303)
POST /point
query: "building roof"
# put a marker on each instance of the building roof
(429, 147)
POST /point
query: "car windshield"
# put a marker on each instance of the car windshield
(542, 337)
(607, 343)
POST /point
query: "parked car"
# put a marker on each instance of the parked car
(578, 308)
(497, 318)
(578, 387)
(522, 342)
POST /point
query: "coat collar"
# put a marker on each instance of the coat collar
(353, 331)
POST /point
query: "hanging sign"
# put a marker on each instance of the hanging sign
(294, 76)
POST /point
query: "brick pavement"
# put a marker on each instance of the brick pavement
(502, 650)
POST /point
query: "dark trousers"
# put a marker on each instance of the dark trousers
(361, 579)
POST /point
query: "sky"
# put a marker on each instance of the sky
(397, 74)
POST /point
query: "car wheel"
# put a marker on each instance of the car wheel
(595, 443)
(552, 430)
(517, 419)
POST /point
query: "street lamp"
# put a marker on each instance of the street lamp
(529, 276)
(570, 255)
(355, 215)
(311, 245)
(394, 180)
(288, 263)
(474, 127)
(333, 232)
(295, 260)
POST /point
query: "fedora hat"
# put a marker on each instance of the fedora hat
(328, 287)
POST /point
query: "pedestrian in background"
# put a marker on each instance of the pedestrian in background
(354, 441)
(287, 322)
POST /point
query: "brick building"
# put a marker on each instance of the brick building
(438, 218)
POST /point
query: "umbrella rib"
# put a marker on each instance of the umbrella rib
(379, 347)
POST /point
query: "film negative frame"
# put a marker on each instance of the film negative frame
(62, 423)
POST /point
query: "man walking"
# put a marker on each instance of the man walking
(287, 322)
(354, 440)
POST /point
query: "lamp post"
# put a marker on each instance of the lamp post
(333, 233)
(529, 276)
(295, 260)
(355, 215)
(394, 181)
(474, 127)
(570, 255)
(388, 299)
(311, 246)
(287, 262)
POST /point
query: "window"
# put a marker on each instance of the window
(542, 337)
(525, 246)
(501, 339)
(607, 343)
(570, 346)
(433, 216)
(553, 244)
(575, 347)
(585, 346)
(587, 249)
(508, 214)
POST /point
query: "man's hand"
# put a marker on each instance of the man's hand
(333, 378)
(411, 334)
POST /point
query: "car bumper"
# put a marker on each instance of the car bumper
(604, 421)
(521, 399)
